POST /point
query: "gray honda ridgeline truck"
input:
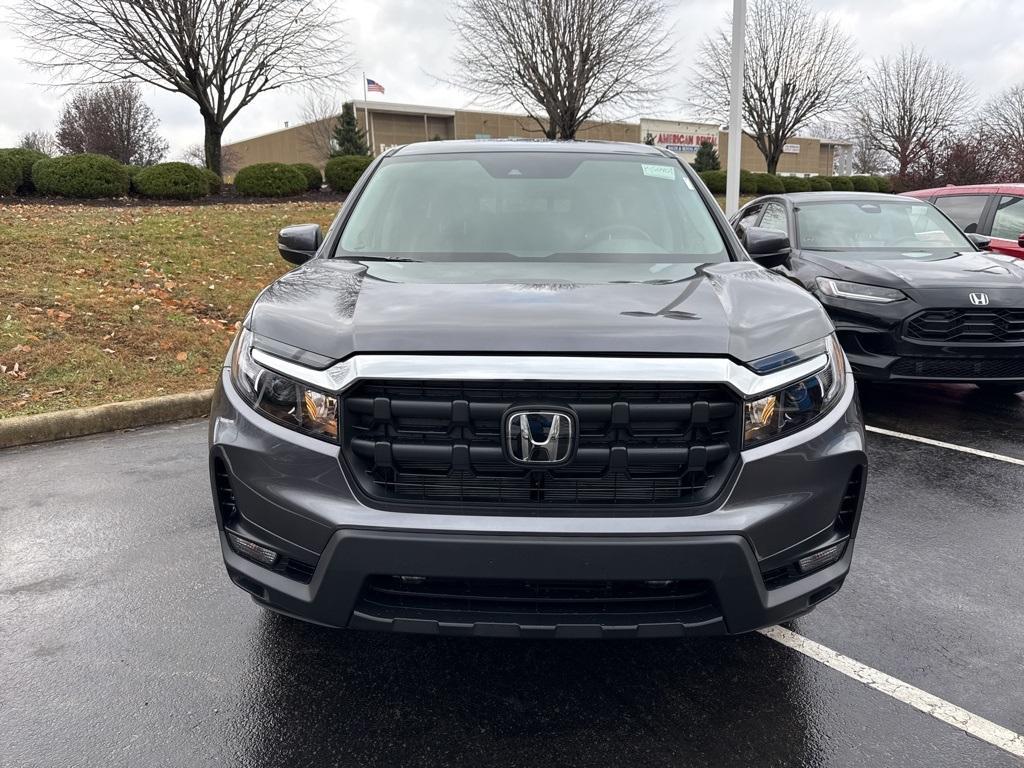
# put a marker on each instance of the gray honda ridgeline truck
(536, 389)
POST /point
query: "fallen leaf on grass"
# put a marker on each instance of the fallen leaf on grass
(181, 357)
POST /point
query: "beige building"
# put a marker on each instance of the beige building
(390, 125)
(802, 156)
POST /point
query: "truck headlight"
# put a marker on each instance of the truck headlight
(798, 404)
(281, 399)
(841, 289)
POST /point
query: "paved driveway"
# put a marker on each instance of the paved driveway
(122, 643)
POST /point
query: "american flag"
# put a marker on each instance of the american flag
(373, 85)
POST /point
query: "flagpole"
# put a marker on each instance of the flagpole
(366, 111)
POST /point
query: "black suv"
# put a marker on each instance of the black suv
(535, 389)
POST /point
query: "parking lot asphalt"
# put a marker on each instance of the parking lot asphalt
(123, 643)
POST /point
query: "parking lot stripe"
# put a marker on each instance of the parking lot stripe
(976, 726)
(950, 446)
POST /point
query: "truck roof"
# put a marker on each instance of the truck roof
(461, 146)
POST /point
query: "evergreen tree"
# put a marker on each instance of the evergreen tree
(707, 158)
(349, 138)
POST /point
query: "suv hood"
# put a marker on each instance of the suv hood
(927, 269)
(334, 308)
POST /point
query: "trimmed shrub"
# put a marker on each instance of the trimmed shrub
(213, 181)
(24, 159)
(884, 184)
(819, 184)
(343, 172)
(841, 183)
(10, 175)
(81, 176)
(748, 183)
(171, 181)
(796, 184)
(769, 184)
(314, 179)
(715, 181)
(269, 180)
(864, 183)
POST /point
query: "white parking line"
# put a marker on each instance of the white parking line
(940, 709)
(950, 446)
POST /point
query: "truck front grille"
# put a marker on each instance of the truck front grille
(967, 326)
(655, 446)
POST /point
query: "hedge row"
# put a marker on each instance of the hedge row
(769, 184)
(24, 171)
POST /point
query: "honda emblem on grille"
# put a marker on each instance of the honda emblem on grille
(979, 299)
(539, 437)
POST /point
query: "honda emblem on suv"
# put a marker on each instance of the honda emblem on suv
(979, 299)
(539, 437)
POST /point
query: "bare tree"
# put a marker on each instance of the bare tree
(866, 160)
(1003, 117)
(111, 120)
(222, 54)
(799, 67)
(911, 105)
(319, 114)
(230, 158)
(562, 61)
(40, 141)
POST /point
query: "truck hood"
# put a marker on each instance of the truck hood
(922, 270)
(335, 308)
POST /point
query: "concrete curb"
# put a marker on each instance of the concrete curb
(44, 427)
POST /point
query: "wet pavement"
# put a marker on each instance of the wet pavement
(123, 643)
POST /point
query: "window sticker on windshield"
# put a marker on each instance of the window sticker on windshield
(659, 171)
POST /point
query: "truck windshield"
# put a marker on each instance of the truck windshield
(872, 225)
(516, 205)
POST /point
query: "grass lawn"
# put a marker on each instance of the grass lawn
(99, 304)
(105, 303)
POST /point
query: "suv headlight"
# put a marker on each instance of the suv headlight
(841, 289)
(795, 405)
(284, 400)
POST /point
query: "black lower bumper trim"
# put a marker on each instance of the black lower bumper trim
(576, 631)
(735, 599)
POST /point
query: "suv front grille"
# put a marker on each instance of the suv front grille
(440, 443)
(971, 368)
(967, 326)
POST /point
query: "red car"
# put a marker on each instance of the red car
(992, 210)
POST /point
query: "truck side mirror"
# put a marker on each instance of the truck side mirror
(299, 243)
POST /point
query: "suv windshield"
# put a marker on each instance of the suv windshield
(872, 225)
(513, 206)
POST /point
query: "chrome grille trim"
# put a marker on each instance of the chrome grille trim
(683, 370)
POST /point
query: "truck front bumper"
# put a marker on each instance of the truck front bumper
(344, 564)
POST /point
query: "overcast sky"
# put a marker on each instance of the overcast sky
(404, 44)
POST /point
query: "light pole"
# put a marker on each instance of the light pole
(732, 175)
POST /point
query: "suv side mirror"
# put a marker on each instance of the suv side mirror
(298, 244)
(981, 241)
(768, 247)
(1020, 240)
